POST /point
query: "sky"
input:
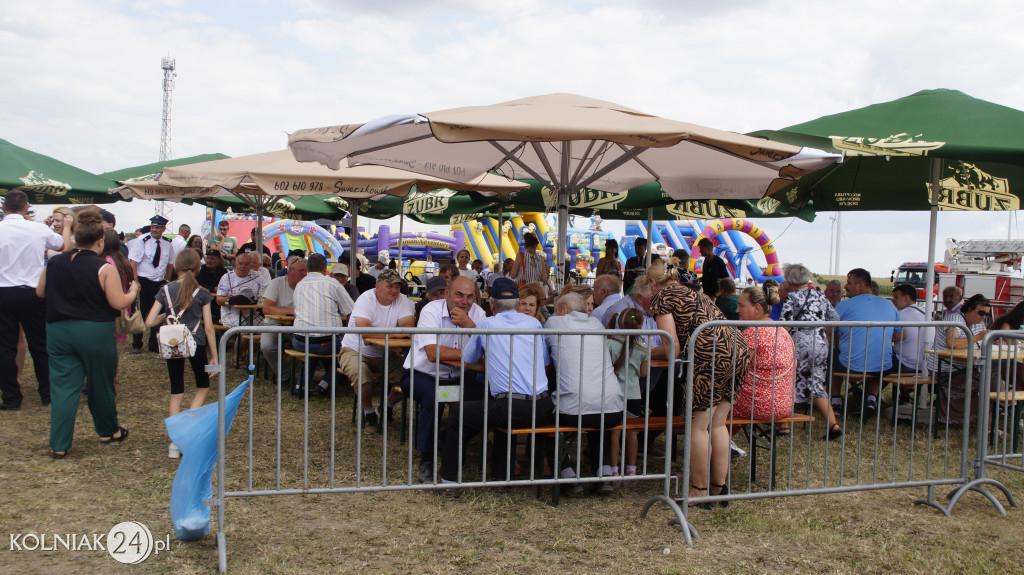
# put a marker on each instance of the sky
(85, 82)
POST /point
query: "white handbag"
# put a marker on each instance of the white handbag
(175, 339)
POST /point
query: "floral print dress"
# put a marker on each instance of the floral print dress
(810, 344)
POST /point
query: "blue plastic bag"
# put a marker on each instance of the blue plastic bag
(195, 432)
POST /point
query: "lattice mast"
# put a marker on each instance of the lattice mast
(167, 64)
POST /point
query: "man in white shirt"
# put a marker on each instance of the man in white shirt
(279, 299)
(152, 259)
(424, 376)
(244, 283)
(320, 302)
(23, 245)
(909, 343)
(383, 259)
(606, 293)
(384, 306)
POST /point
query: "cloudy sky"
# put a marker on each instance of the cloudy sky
(85, 85)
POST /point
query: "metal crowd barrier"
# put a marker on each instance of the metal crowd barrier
(1002, 362)
(328, 458)
(879, 452)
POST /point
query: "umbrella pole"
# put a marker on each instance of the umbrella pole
(401, 236)
(932, 226)
(353, 259)
(650, 230)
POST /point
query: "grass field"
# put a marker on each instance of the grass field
(98, 486)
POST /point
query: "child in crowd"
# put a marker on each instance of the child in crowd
(186, 297)
(629, 367)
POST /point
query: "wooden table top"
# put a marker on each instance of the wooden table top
(381, 341)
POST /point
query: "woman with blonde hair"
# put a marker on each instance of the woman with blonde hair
(190, 303)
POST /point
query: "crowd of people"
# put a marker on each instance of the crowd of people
(63, 290)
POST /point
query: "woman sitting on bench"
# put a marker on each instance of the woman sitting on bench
(767, 392)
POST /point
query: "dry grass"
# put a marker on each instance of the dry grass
(483, 532)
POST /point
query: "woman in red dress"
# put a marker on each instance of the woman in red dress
(767, 391)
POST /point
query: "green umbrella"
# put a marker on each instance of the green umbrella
(149, 171)
(50, 181)
(933, 150)
(889, 150)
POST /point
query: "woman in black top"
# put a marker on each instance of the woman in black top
(83, 295)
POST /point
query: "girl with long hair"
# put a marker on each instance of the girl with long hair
(191, 303)
(629, 356)
(112, 255)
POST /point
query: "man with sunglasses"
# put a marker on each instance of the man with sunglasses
(863, 352)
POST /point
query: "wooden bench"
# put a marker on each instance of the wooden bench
(758, 432)
(900, 382)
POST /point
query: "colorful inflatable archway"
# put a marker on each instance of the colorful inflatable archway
(746, 227)
(295, 227)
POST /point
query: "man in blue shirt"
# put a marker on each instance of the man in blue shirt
(516, 383)
(863, 350)
(606, 293)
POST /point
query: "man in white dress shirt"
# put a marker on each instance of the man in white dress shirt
(23, 245)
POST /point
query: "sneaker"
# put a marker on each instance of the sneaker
(426, 471)
(370, 420)
(381, 413)
(298, 390)
(574, 490)
(320, 391)
(630, 472)
(870, 408)
(173, 452)
(136, 350)
(606, 488)
(734, 450)
(452, 492)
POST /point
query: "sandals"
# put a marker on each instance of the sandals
(58, 454)
(834, 432)
(782, 432)
(112, 439)
(722, 490)
(701, 505)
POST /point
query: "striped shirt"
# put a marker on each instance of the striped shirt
(320, 301)
(534, 268)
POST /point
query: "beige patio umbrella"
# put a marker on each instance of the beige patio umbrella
(261, 179)
(572, 142)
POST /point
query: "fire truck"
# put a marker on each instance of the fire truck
(989, 267)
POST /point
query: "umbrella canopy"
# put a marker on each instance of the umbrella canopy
(570, 141)
(150, 171)
(263, 179)
(49, 181)
(889, 150)
(933, 150)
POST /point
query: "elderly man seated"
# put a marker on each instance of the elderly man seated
(242, 285)
(279, 299)
(515, 381)
(384, 306)
(426, 372)
(606, 293)
(588, 393)
(320, 302)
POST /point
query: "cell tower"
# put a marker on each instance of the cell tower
(165, 131)
(167, 64)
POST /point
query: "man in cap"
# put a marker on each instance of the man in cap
(451, 307)
(384, 306)
(383, 259)
(152, 260)
(340, 272)
(23, 245)
(515, 381)
(436, 289)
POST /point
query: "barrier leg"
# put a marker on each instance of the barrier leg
(689, 532)
(978, 486)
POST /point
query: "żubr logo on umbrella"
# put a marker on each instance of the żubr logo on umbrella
(41, 184)
(971, 188)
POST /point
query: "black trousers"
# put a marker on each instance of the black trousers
(19, 305)
(147, 295)
(497, 413)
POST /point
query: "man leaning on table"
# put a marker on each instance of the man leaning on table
(426, 373)
(279, 299)
(516, 381)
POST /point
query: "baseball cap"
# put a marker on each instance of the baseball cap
(339, 269)
(213, 253)
(389, 276)
(436, 284)
(504, 288)
(384, 257)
